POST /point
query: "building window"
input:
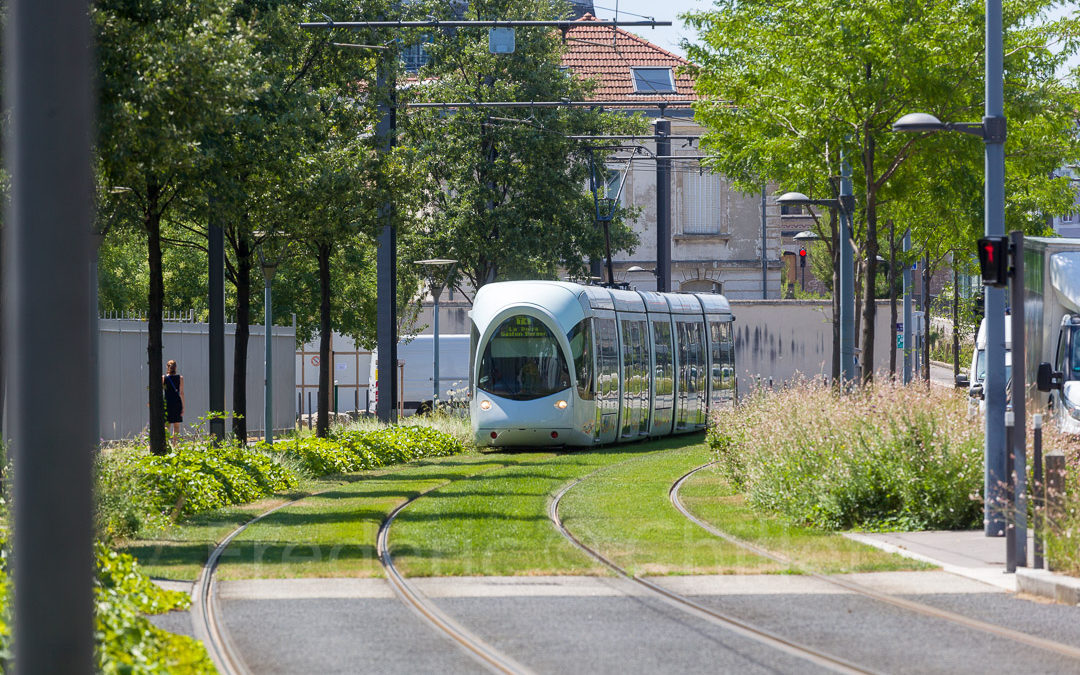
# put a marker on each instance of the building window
(702, 204)
(653, 80)
(701, 286)
(791, 210)
(612, 184)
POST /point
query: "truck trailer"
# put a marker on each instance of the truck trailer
(1052, 328)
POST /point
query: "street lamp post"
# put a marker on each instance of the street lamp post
(992, 130)
(844, 206)
(269, 268)
(436, 286)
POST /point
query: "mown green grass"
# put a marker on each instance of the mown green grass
(709, 497)
(497, 524)
(338, 522)
(624, 512)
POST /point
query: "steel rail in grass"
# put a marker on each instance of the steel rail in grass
(896, 601)
(722, 619)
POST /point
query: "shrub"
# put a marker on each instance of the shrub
(1063, 526)
(886, 458)
(193, 479)
(126, 642)
(358, 450)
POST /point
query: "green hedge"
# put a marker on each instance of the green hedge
(887, 458)
(346, 451)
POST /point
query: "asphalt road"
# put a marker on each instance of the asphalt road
(606, 625)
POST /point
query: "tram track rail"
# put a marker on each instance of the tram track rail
(716, 617)
(211, 630)
(407, 592)
(860, 589)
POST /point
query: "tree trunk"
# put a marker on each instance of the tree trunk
(152, 223)
(869, 306)
(243, 333)
(892, 299)
(322, 427)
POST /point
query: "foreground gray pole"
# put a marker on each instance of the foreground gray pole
(994, 387)
(907, 311)
(764, 253)
(49, 330)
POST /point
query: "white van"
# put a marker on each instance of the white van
(418, 358)
(977, 373)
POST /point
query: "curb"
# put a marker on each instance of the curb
(1046, 584)
(992, 576)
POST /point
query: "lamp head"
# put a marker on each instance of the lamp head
(793, 199)
(916, 122)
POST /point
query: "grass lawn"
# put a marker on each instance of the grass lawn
(486, 514)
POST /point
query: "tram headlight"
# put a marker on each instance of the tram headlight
(561, 405)
(485, 405)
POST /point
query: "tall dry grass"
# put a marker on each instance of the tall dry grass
(888, 457)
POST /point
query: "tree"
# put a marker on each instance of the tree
(170, 76)
(791, 86)
(505, 190)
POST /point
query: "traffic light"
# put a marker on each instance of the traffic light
(802, 257)
(994, 261)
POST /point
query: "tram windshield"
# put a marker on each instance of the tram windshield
(523, 361)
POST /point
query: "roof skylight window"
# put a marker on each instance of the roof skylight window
(653, 80)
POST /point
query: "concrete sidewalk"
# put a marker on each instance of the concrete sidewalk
(973, 555)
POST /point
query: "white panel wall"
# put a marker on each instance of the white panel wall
(123, 374)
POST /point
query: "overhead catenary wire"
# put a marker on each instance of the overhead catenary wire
(495, 23)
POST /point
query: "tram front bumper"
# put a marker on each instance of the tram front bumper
(500, 437)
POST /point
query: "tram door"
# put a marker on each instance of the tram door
(663, 377)
(634, 421)
(607, 379)
(691, 382)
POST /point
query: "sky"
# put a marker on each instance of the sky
(669, 10)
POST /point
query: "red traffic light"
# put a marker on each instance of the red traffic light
(994, 261)
(802, 252)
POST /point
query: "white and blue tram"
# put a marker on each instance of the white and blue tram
(556, 363)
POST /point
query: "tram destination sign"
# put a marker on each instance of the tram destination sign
(523, 327)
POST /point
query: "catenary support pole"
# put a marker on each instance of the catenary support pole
(48, 329)
(994, 215)
(765, 250)
(216, 305)
(1019, 435)
(386, 264)
(847, 279)
(663, 206)
(907, 310)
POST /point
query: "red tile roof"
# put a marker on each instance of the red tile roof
(606, 55)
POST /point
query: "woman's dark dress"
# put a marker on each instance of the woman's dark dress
(174, 407)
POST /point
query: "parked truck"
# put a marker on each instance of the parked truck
(415, 374)
(975, 379)
(1052, 328)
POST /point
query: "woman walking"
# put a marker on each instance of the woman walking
(174, 399)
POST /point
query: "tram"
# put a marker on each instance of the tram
(562, 364)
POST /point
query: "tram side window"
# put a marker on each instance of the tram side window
(607, 366)
(716, 361)
(581, 353)
(665, 383)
